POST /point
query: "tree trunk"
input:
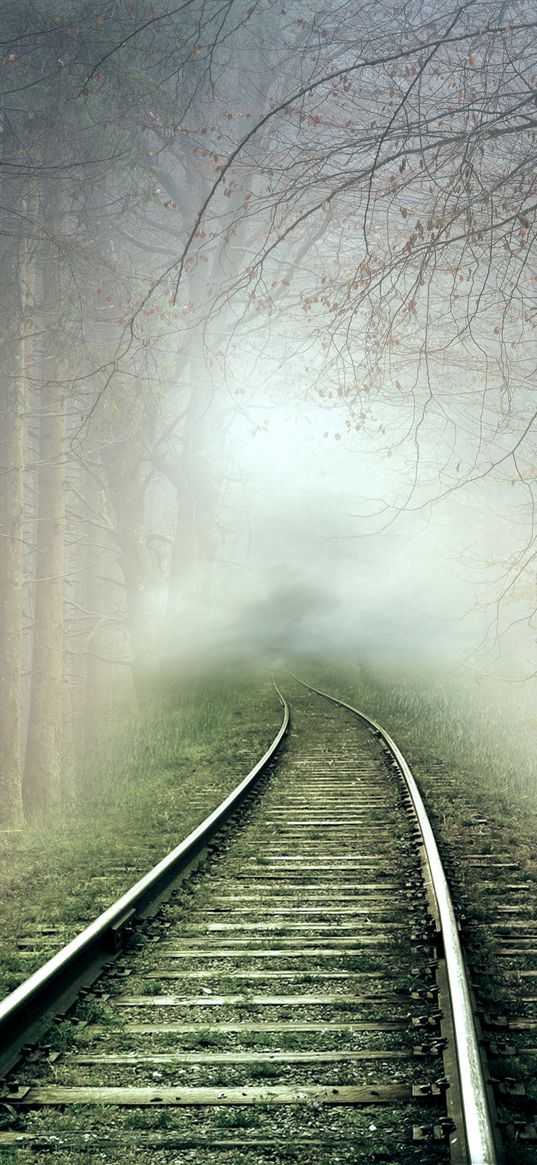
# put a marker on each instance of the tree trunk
(19, 284)
(43, 769)
(11, 501)
(96, 640)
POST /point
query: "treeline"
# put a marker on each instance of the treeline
(116, 120)
(198, 201)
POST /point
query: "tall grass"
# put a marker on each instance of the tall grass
(458, 721)
(142, 790)
(183, 723)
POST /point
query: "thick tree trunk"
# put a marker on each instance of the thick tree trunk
(11, 502)
(43, 769)
(19, 283)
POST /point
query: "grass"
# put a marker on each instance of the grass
(454, 719)
(236, 1118)
(94, 1011)
(144, 788)
(157, 1118)
(151, 987)
(462, 751)
(61, 1037)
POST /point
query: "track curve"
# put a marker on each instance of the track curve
(475, 1101)
(299, 977)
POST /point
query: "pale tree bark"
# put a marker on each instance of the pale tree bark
(42, 785)
(11, 452)
(15, 357)
(97, 639)
(125, 487)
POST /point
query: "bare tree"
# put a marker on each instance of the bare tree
(408, 151)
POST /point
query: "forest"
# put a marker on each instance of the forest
(267, 351)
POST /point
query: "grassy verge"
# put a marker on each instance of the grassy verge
(143, 792)
(489, 765)
(475, 766)
(431, 718)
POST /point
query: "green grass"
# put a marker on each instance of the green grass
(152, 987)
(61, 1037)
(236, 1118)
(145, 787)
(156, 1118)
(486, 732)
(94, 1011)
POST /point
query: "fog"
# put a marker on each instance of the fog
(315, 564)
(320, 566)
(317, 555)
(269, 359)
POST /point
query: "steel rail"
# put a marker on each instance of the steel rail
(478, 1123)
(29, 1010)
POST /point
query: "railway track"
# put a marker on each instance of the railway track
(300, 995)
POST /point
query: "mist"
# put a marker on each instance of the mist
(267, 460)
(269, 360)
